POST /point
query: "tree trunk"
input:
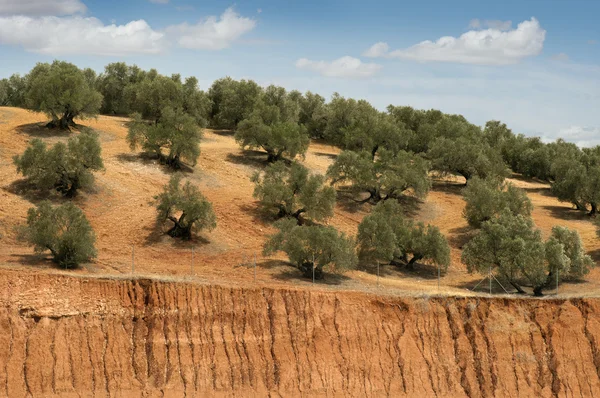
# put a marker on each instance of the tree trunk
(307, 270)
(412, 262)
(594, 209)
(537, 291)
(177, 231)
(517, 287)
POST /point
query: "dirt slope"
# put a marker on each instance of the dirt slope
(68, 336)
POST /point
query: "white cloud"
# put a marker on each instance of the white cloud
(584, 136)
(343, 67)
(481, 47)
(492, 24)
(41, 7)
(377, 50)
(212, 33)
(78, 35)
(560, 57)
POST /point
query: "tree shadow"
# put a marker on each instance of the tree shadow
(460, 236)
(150, 159)
(28, 191)
(251, 158)
(449, 187)
(566, 213)
(39, 130)
(40, 260)
(293, 274)
(223, 133)
(421, 271)
(156, 233)
(331, 156)
(259, 215)
(595, 254)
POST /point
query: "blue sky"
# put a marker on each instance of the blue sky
(533, 64)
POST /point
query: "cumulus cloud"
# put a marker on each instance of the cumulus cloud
(212, 33)
(78, 35)
(490, 46)
(492, 24)
(560, 57)
(584, 136)
(347, 67)
(41, 7)
(377, 50)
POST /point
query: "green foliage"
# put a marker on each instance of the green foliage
(468, 157)
(293, 192)
(62, 230)
(386, 176)
(579, 263)
(340, 112)
(154, 96)
(66, 168)
(314, 246)
(174, 138)
(486, 198)
(12, 91)
(185, 207)
(511, 246)
(369, 130)
(63, 92)
(232, 101)
(272, 127)
(386, 236)
(313, 114)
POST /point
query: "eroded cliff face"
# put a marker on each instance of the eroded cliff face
(67, 336)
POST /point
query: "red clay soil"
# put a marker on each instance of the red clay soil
(81, 337)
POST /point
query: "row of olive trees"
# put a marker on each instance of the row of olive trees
(301, 200)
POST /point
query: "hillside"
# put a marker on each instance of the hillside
(122, 216)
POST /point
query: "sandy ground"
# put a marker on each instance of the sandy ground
(123, 218)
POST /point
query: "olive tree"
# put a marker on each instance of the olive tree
(511, 247)
(313, 114)
(313, 248)
(487, 198)
(232, 101)
(468, 157)
(388, 175)
(579, 263)
(66, 168)
(63, 92)
(63, 230)
(267, 128)
(185, 208)
(293, 192)
(387, 236)
(176, 137)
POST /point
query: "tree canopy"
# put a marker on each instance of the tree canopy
(176, 137)
(387, 236)
(486, 199)
(66, 168)
(513, 248)
(63, 230)
(293, 192)
(63, 92)
(185, 208)
(386, 176)
(232, 101)
(315, 246)
(274, 128)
